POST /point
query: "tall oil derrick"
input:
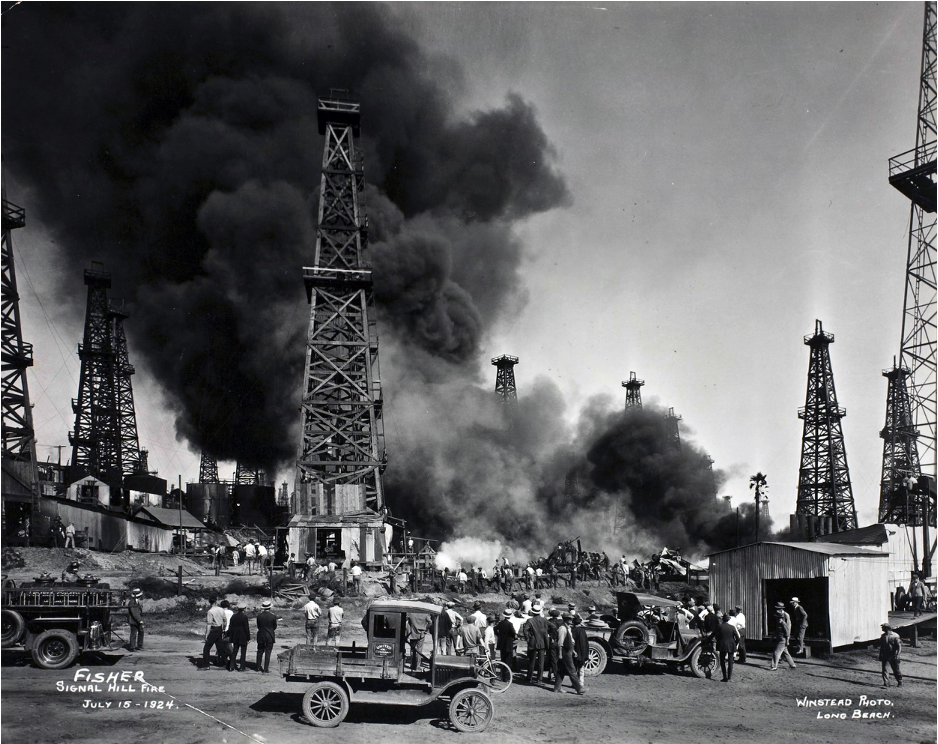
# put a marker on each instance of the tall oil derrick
(19, 445)
(96, 439)
(124, 396)
(633, 392)
(505, 389)
(909, 436)
(713, 477)
(208, 469)
(897, 504)
(824, 488)
(342, 456)
(674, 432)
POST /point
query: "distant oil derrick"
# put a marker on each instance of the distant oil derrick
(505, 389)
(633, 392)
(124, 396)
(208, 469)
(674, 432)
(824, 488)
(342, 456)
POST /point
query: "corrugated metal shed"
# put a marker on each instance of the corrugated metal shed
(844, 588)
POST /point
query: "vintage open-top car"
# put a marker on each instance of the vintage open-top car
(377, 673)
(647, 628)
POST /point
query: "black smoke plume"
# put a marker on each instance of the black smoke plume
(177, 144)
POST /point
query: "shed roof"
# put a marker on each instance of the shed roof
(812, 547)
(874, 534)
(171, 517)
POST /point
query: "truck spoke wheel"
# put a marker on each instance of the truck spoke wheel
(325, 704)
(471, 710)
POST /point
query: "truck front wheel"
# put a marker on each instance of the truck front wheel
(55, 649)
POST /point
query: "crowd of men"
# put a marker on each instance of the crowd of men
(228, 631)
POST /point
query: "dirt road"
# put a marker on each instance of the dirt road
(652, 705)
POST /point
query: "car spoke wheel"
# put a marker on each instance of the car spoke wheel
(703, 662)
(596, 660)
(471, 710)
(325, 705)
(55, 649)
(496, 675)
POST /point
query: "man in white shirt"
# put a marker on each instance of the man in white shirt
(215, 622)
(336, 613)
(70, 536)
(261, 558)
(313, 613)
(738, 621)
(480, 617)
(356, 573)
(309, 567)
(249, 554)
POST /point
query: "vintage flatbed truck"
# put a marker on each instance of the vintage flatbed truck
(56, 624)
(647, 628)
(376, 673)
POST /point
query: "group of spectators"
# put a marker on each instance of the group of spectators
(228, 630)
(557, 644)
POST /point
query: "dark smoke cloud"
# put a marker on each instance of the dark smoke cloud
(177, 143)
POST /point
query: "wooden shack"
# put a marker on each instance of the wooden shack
(843, 588)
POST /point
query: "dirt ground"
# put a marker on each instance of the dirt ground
(650, 705)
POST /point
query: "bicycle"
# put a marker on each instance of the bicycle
(496, 675)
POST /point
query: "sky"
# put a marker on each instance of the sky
(727, 174)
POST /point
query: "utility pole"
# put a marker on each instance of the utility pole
(757, 482)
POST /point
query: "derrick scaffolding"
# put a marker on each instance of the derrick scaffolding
(342, 456)
(909, 435)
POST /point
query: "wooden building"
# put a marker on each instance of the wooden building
(843, 588)
(356, 536)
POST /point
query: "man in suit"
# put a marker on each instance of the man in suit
(566, 645)
(799, 623)
(239, 633)
(781, 636)
(727, 638)
(536, 634)
(505, 635)
(266, 636)
(136, 621)
(581, 648)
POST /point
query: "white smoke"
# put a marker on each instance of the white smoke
(469, 552)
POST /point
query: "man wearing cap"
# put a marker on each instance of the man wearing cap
(554, 622)
(889, 649)
(565, 644)
(799, 623)
(451, 623)
(738, 621)
(781, 636)
(505, 636)
(581, 649)
(135, 619)
(535, 633)
(418, 624)
(266, 636)
(470, 634)
(478, 614)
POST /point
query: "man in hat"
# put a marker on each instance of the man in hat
(135, 613)
(239, 633)
(554, 621)
(889, 649)
(799, 623)
(781, 635)
(581, 649)
(727, 638)
(505, 636)
(470, 634)
(536, 635)
(565, 644)
(478, 614)
(266, 636)
(215, 621)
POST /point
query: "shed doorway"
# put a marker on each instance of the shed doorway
(813, 596)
